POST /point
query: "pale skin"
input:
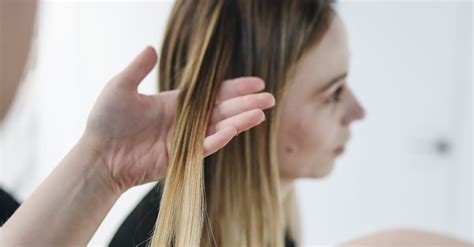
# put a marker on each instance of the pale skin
(406, 238)
(126, 143)
(326, 107)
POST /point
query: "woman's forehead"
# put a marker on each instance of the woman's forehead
(326, 60)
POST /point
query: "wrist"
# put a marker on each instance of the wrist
(100, 173)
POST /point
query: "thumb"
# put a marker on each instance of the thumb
(138, 69)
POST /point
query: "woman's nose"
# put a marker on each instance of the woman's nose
(360, 111)
(355, 111)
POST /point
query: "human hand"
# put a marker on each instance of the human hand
(132, 132)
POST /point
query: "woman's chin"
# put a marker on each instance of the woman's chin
(312, 171)
(323, 171)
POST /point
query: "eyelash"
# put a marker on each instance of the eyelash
(335, 97)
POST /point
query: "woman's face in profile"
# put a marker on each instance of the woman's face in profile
(318, 109)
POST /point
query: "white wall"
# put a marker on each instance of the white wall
(411, 68)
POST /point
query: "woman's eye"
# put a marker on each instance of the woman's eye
(335, 97)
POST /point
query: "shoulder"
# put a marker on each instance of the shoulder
(406, 237)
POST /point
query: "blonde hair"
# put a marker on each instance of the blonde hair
(230, 198)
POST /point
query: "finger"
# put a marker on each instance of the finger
(237, 105)
(241, 122)
(239, 87)
(218, 140)
(138, 69)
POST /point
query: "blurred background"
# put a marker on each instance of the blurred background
(409, 163)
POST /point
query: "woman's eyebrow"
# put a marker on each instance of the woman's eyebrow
(331, 83)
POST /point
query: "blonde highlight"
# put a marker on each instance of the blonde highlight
(231, 198)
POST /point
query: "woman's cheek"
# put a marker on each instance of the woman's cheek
(306, 137)
(314, 133)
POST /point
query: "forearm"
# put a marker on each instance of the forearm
(67, 208)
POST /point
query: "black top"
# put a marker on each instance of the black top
(8, 205)
(137, 228)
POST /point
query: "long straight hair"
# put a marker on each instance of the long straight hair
(232, 197)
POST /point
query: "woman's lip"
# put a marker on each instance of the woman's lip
(339, 150)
